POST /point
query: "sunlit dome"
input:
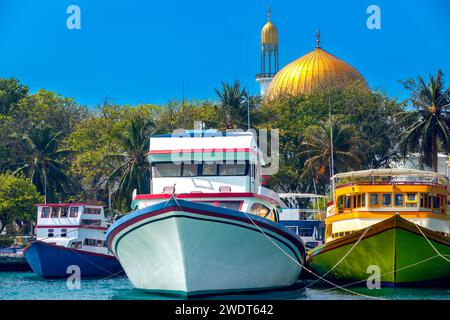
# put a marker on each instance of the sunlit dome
(314, 71)
(269, 33)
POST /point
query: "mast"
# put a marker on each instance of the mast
(331, 147)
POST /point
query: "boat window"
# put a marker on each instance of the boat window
(411, 200)
(45, 212)
(348, 204)
(422, 200)
(50, 233)
(398, 199)
(259, 210)
(234, 205)
(305, 232)
(363, 200)
(411, 197)
(89, 222)
(166, 169)
(232, 169)
(357, 200)
(209, 169)
(436, 202)
(429, 201)
(64, 212)
(63, 233)
(293, 229)
(54, 212)
(76, 245)
(92, 210)
(94, 242)
(190, 170)
(386, 199)
(374, 199)
(73, 212)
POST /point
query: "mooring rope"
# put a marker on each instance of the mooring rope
(418, 227)
(387, 273)
(343, 257)
(308, 270)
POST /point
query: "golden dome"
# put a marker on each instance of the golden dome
(269, 33)
(313, 71)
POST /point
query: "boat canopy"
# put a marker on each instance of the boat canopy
(389, 173)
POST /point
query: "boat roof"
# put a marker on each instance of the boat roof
(203, 133)
(204, 145)
(81, 204)
(389, 173)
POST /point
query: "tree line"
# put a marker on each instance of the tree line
(56, 150)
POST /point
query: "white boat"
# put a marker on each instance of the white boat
(71, 234)
(209, 226)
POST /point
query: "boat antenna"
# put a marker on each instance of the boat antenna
(331, 148)
(248, 111)
(182, 95)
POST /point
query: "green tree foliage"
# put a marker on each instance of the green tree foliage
(11, 92)
(42, 162)
(235, 102)
(17, 199)
(317, 143)
(429, 122)
(372, 116)
(46, 108)
(134, 170)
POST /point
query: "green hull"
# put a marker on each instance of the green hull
(395, 245)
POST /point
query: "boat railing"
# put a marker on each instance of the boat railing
(390, 182)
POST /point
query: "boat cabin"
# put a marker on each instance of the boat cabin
(205, 161)
(362, 197)
(72, 225)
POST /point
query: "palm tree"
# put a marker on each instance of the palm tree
(318, 146)
(133, 170)
(42, 163)
(233, 111)
(429, 122)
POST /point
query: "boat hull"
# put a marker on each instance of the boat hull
(52, 261)
(187, 248)
(395, 245)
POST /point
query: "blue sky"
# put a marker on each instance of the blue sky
(138, 51)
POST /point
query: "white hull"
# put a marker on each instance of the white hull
(190, 253)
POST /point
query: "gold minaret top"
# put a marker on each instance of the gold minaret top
(269, 33)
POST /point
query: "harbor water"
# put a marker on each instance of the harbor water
(28, 286)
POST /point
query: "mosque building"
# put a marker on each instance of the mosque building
(316, 70)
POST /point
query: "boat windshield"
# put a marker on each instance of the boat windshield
(234, 205)
(171, 169)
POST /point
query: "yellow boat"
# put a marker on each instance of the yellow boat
(396, 220)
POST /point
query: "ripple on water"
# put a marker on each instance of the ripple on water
(28, 286)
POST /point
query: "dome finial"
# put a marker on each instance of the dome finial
(318, 38)
(268, 13)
